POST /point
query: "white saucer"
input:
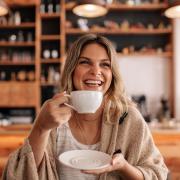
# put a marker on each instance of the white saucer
(85, 159)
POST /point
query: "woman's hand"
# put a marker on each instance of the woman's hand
(53, 113)
(120, 165)
(117, 163)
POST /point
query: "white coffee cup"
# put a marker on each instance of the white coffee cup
(84, 101)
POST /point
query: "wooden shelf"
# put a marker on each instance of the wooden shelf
(21, 3)
(50, 37)
(119, 6)
(15, 128)
(18, 82)
(120, 31)
(18, 106)
(50, 16)
(24, 25)
(49, 61)
(145, 7)
(18, 44)
(11, 63)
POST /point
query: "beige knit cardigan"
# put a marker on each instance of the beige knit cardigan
(132, 137)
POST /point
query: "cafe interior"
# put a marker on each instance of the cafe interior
(36, 34)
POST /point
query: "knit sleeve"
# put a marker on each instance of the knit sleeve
(148, 158)
(21, 165)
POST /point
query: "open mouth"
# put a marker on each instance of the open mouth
(96, 83)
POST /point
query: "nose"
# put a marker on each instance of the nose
(96, 70)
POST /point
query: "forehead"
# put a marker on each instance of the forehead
(94, 50)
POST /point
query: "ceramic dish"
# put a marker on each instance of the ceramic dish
(85, 159)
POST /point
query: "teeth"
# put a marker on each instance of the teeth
(93, 82)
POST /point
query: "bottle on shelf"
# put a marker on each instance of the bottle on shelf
(51, 73)
(42, 7)
(57, 6)
(43, 77)
(10, 19)
(13, 76)
(17, 18)
(54, 53)
(20, 36)
(12, 38)
(57, 77)
(29, 37)
(3, 21)
(46, 53)
(3, 75)
(164, 114)
(50, 6)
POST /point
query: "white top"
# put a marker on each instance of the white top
(66, 142)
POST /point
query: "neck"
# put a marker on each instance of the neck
(89, 120)
(86, 127)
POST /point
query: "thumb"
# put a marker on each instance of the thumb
(117, 159)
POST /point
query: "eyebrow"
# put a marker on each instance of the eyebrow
(90, 59)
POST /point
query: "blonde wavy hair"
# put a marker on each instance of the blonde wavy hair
(116, 100)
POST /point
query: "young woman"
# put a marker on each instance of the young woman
(116, 128)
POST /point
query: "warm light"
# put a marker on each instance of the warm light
(90, 10)
(3, 8)
(173, 12)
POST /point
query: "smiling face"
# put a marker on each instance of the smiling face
(93, 71)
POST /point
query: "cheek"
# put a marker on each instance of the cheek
(76, 74)
(76, 77)
(109, 80)
(109, 77)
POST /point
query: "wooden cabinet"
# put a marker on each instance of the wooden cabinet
(168, 142)
(18, 67)
(18, 94)
(11, 138)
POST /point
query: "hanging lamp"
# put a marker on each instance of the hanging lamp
(90, 8)
(174, 9)
(3, 8)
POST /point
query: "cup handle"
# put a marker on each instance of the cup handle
(72, 107)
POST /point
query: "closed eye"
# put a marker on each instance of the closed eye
(106, 64)
(84, 62)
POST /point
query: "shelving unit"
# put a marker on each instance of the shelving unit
(119, 31)
(51, 41)
(51, 31)
(18, 81)
(119, 15)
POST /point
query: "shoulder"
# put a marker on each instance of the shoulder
(132, 116)
(134, 122)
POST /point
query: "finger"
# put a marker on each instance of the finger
(97, 171)
(117, 158)
(61, 117)
(62, 112)
(59, 95)
(61, 108)
(60, 100)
